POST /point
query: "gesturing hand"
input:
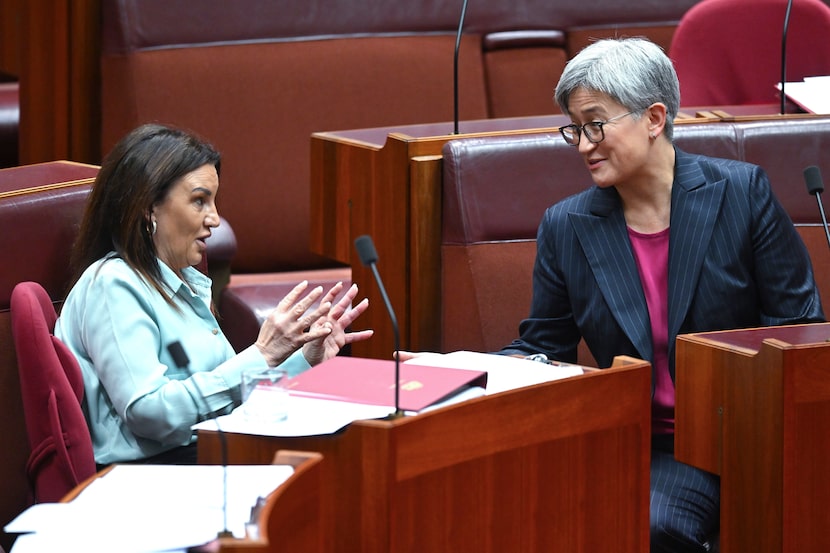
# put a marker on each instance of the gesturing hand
(292, 324)
(339, 318)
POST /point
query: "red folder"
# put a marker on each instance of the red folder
(372, 381)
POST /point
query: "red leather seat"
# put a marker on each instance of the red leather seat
(52, 389)
(728, 52)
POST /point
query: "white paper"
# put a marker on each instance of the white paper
(812, 94)
(306, 417)
(148, 508)
(503, 371)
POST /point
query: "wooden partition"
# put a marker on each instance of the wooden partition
(561, 466)
(386, 182)
(815, 238)
(291, 519)
(754, 407)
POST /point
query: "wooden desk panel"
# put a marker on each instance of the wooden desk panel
(754, 407)
(561, 466)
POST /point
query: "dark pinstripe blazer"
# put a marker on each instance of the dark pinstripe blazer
(735, 261)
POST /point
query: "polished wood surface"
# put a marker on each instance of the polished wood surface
(290, 520)
(561, 466)
(815, 238)
(754, 407)
(56, 60)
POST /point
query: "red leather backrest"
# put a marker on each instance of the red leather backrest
(728, 52)
(52, 389)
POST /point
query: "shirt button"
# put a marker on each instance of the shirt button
(215, 331)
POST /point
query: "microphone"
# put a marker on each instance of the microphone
(369, 257)
(182, 361)
(815, 186)
(784, 55)
(455, 67)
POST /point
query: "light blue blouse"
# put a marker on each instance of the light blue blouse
(137, 402)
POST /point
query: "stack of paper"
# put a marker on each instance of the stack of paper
(148, 508)
(812, 94)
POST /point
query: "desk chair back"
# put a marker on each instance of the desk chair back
(728, 52)
(52, 390)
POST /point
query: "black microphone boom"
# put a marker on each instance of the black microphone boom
(815, 186)
(455, 66)
(182, 361)
(368, 257)
(784, 55)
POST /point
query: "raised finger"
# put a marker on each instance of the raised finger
(345, 302)
(292, 296)
(349, 316)
(333, 291)
(358, 336)
(302, 306)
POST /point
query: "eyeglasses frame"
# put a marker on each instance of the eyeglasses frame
(580, 129)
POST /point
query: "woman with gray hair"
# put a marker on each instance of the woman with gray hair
(664, 243)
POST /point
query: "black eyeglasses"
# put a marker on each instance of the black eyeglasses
(592, 131)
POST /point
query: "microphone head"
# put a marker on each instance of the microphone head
(178, 354)
(812, 176)
(366, 250)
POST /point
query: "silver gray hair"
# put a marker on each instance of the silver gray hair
(632, 71)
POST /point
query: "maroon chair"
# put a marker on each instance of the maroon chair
(52, 389)
(728, 52)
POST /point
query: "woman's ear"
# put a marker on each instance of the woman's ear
(150, 221)
(656, 114)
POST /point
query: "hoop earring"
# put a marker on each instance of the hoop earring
(152, 227)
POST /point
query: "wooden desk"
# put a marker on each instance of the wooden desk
(754, 407)
(561, 466)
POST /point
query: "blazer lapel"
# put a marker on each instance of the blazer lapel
(600, 235)
(694, 210)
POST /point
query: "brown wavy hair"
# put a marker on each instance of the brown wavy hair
(136, 175)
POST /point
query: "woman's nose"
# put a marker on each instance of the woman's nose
(212, 220)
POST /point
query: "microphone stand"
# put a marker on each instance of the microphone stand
(398, 411)
(183, 362)
(784, 57)
(455, 67)
(823, 218)
(368, 257)
(815, 186)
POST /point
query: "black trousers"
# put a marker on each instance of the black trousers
(685, 503)
(185, 455)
